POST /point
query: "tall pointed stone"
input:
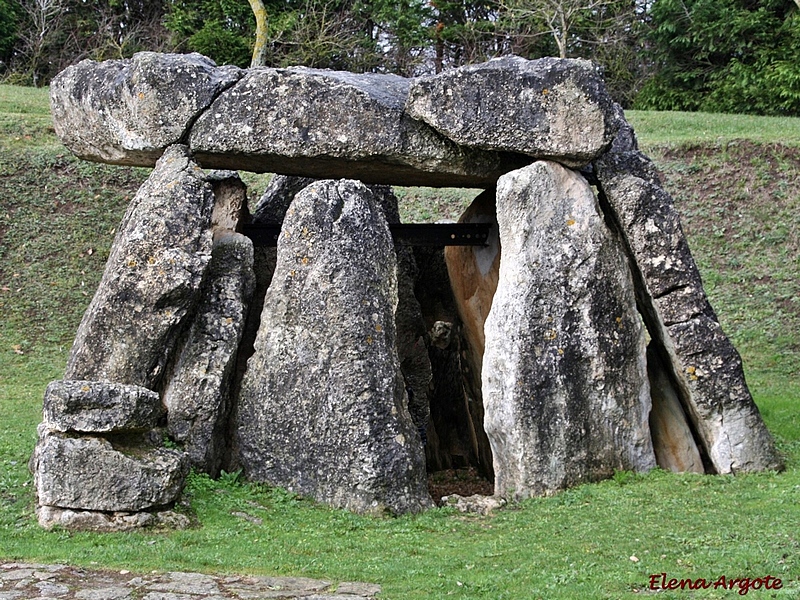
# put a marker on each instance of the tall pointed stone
(705, 369)
(323, 409)
(564, 374)
(151, 279)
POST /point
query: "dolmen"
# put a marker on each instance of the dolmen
(342, 365)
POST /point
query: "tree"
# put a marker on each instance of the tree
(9, 22)
(42, 18)
(220, 29)
(260, 45)
(724, 56)
(465, 32)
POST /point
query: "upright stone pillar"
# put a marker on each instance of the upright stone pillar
(564, 375)
(702, 366)
(151, 279)
(323, 410)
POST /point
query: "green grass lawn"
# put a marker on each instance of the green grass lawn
(741, 208)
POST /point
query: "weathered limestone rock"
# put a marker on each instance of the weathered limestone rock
(322, 409)
(478, 504)
(82, 520)
(198, 394)
(673, 441)
(88, 473)
(230, 201)
(564, 376)
(274, 202)
(151, 278)
(704, 365)
(332, 124)
(87, 520)
(547, 108)
(128, 111)
(98, 406)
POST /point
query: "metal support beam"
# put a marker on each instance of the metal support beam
(404, 234)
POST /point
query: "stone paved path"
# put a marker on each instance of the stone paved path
(20, 581)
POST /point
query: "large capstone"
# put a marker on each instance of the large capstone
(547, 108)
(703, 365)
(564, 375)
(323, 409)
(197, 396)
(151, 279)
(89, 473)
(100, 406)
(318, 123)
(128, 111)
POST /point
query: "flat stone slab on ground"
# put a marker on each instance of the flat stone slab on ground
(22, 581)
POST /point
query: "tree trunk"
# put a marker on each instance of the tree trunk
(260, 46)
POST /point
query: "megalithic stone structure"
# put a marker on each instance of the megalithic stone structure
(337, 364)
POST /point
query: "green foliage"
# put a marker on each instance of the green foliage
(9, 21)
(724, 56)
(465, 32)
(220, 29)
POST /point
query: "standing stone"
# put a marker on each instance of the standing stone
(564, 379)
(151, 278)
(99, 406)
(197, 396)
(702, 362)
(547, 108)
(128, 111)
(322, 409)
(89, 473)
(274, 202)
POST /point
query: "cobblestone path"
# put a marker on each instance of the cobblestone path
(20, 581)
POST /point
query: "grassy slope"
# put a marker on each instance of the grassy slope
(742, 210)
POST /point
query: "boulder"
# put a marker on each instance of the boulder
(197, 396)
(89, 473)
(547, 108)
(151, 278)
(564, 373)
(322, 408)
(128, 111)
(332, 124)
(100, 406)
(702, 363)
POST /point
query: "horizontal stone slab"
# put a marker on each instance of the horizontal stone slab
(100, 406)
(333, 125)
(462, 128)
(548, 108)
(128, 111)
